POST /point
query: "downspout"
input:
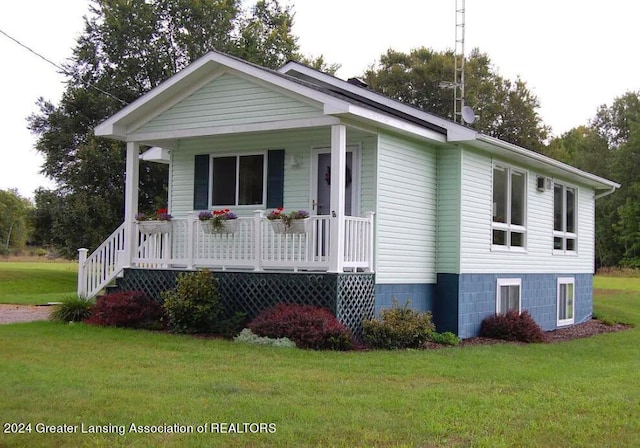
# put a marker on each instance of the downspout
(605, 193)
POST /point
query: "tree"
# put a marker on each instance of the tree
(14, 229)
(619, 125)
(609, 146)
(506, 109)
(583, 147)
(126, 49)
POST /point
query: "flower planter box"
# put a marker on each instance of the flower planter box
(154, 227)
(297, 226)
(227, 226)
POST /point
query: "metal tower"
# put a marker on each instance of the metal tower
(458, 69)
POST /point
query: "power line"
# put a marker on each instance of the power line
(62, 69)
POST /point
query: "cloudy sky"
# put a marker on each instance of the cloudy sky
(574, 55)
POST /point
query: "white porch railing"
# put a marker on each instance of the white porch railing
(254, 246)
(103, 265)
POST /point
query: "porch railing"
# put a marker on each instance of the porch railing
(102, 266)
(253, 246)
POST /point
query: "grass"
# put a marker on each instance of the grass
(36, 283)
(578, 393)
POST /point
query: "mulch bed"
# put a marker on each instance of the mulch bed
(584, 330)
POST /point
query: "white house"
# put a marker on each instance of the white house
(404, 204)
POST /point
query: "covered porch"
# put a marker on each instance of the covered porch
(330, 240)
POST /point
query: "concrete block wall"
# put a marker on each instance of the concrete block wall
(477, 299)
(421, 295)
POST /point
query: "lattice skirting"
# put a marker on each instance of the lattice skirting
(350, 296)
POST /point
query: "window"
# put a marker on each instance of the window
(509, 213)
(508, 295)
(564, 218)
(566, 300)
(238, 180)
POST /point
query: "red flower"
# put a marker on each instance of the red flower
(162, 211)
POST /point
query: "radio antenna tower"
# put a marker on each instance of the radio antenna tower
(458, 65)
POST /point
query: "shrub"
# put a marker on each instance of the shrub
(231, 326)
(194, 305)
(446, 338)
(249, 337)
(398, 327)
(128, 309)
(512, 326)
(308, 326)
(72, 309)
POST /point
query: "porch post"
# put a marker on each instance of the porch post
(82, 273)
(338, 177)
(132, 176)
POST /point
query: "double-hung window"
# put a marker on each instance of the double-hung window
(508, 295)
(238, 180)
(509, 207)
(564, 218)
(566, 300)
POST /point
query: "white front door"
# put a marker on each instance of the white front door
(321, 182)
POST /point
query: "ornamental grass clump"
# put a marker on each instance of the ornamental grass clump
(512, 326)
(194, 305)
(127, 309)
(397, 328)
(72, 309)
(247, 336)
(308, 326)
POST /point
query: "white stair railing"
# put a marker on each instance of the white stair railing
(102, 266)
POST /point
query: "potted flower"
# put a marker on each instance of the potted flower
(293, 222)
(154, 223)
(219, 221)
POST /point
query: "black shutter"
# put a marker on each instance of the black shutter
(201, 182)
(275, 178)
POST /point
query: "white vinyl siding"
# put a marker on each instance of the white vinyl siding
(449, 179)
(296, 143)
(230, 100)
(406, 211)
(476, 222)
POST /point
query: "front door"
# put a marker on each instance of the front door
(322, 184)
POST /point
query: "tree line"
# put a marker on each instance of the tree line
(129, 47)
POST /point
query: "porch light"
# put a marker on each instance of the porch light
(295, 161)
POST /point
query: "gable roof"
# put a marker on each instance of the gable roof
(198, 73)
(336, 98)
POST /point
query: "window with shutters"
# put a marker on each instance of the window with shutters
(238, 180)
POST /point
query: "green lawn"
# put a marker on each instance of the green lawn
(36, 283)
(581, 393)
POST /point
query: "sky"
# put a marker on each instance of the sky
(574, 55)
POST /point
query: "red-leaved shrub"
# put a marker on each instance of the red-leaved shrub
(512, 326)
(130, 309)
(308, 326)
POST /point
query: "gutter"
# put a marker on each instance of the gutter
(612, 186)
